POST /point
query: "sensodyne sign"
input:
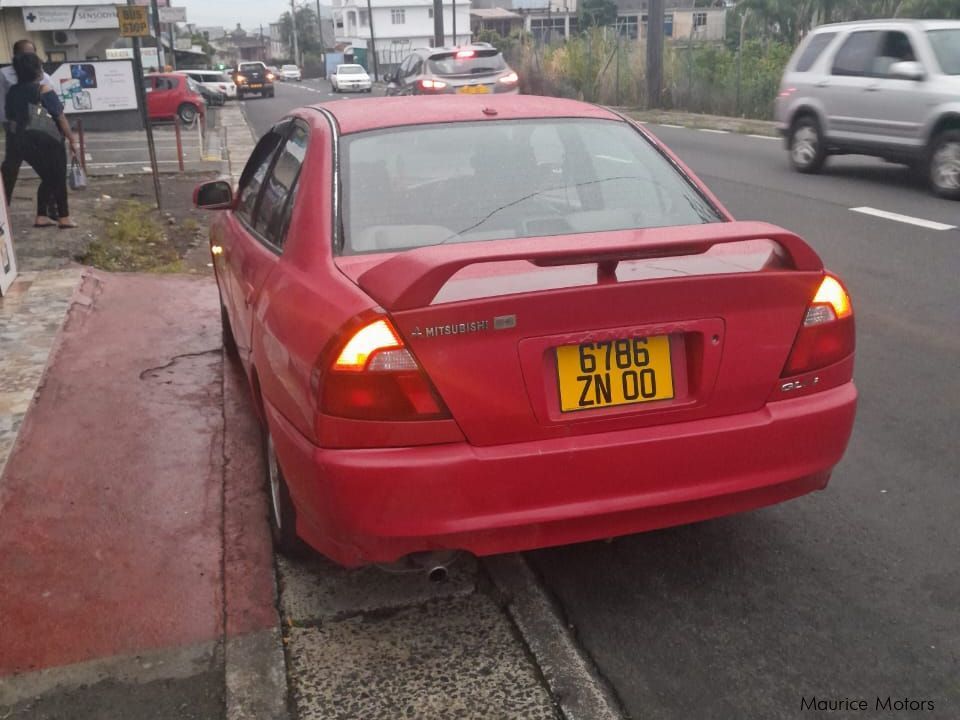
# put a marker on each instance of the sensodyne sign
(71, 17)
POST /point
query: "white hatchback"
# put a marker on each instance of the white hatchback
(215, 80)
(351, 77)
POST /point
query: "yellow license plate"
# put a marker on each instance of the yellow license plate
(614, 372)
(473, 90)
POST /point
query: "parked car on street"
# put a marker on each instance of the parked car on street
(889, 88)
(171, 95)
(516, 322)
(254, 78)
(214, 80)
(350, 77)
(472, 70)
(290, 72)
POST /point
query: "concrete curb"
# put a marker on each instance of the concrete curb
(579, 692)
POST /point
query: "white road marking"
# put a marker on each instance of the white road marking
(764, 137)
(715, 132)
(919, 222)
(679, 127)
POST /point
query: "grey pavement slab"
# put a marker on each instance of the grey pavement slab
(450, 658)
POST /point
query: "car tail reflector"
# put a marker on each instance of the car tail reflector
(375, 377)
(827, 334)
(509, 78)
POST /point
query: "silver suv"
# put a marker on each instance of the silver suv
(889, 88)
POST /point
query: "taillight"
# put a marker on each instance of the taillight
(375, 377)
(432, 85)
(465, 54)
(509, 78)
(827, 334)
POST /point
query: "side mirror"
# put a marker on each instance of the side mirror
(907, 70)
(215, 195)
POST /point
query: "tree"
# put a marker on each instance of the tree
(597, 13)
(307, 38)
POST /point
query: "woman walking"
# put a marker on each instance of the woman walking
(35, 117)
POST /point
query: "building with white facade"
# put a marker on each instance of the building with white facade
(399, 26)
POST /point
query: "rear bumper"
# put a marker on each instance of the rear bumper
(377, 505)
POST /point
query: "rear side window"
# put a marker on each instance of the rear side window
(855, 56)
(254, 173)
(813, 50)
(467, 62)
(275, 205)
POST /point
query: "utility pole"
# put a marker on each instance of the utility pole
(438, 23)
(454, 23)
(142, 99)
(161, 58)
(372, 49)
(173, 45)
(654, 53)
(323, 44)
(293, 32)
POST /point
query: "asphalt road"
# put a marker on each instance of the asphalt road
(853, 592)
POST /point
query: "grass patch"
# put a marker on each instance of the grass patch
(133, 241)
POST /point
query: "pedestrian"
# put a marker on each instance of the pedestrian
(10, 168)
(35, 119)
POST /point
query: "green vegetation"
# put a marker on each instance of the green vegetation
(732, 78)
(134, 241)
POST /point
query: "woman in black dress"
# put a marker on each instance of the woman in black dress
(38, 146)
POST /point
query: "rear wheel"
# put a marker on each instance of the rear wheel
(187, 113)
(944, 165)
(283, 516)
(807, 151)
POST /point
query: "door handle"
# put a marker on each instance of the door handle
(823, 83)
(872, 88)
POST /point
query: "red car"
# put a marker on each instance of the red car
(170, 95)
(496, 324)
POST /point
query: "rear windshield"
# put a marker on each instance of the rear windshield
(466, 182)
(350, 70)
(946, 46)
(469, 63)
(813, 50)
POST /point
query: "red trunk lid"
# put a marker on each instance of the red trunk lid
(663, 325)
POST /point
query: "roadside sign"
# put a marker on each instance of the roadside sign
(133, 21)
(172, 14)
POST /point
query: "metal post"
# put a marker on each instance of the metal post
(455, 23)
(176, 129)
(323, 45)
(173, 45)
(142, 98)
(161, 56)
(743, 22)
(293, 28)
(617, 50)
(654, 53)
(438, 23)
(373, 45)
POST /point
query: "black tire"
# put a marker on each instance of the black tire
(808, 150)
(283, 515)
(187, 113)
(229, 341)
(943, 165)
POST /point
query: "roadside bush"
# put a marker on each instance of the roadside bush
(697, 78)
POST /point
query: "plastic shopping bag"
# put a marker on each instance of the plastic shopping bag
(77, 177)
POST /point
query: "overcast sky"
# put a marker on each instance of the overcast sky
(249, 13)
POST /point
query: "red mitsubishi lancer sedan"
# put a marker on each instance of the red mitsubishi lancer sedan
(505, 323)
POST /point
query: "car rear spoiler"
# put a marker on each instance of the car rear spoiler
(412, 279)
